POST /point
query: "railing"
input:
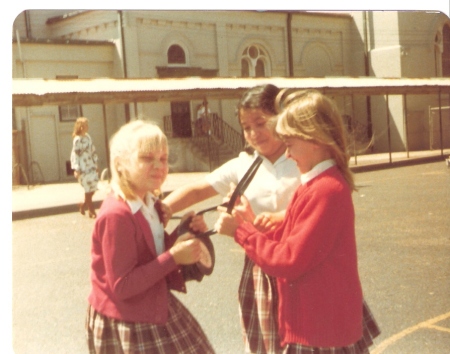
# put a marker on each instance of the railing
(209, 135)
(231, 137)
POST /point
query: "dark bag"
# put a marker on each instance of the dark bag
(206, 264)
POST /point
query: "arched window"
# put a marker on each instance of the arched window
(253, 62)
(446, 51)
(175, 55)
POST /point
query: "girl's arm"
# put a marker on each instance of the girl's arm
(75, 156)
(115, 241)
(183, 197)
(121, 256)
(304, 240)
(266, 221)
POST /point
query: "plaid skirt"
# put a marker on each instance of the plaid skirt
(181, 334)
(258, 305)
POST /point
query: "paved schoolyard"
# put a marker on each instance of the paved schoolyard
(403, 235)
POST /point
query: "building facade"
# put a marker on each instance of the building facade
(129, 44)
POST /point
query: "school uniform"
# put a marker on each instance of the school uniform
(313, 256)
(270, 191)
(131, 308)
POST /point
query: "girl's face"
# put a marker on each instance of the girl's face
(258, 135)
(305, 153)
(148, 171)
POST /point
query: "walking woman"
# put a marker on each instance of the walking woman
(83, 160)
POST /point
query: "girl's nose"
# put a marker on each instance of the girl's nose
(158, 164)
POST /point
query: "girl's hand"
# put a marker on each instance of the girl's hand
(230, 192)
(244, 209)
(186, 250)
(226, 224)
(76, 174)
(198, 224)
(164, 212)
(268, 221)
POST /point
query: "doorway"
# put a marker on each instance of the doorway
(181, 119)
(44, 149)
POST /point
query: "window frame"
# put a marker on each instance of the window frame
(169, 63)
(78, 108)
(252, 61)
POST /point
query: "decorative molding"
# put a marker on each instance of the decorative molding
(183, 71)
(175, 24)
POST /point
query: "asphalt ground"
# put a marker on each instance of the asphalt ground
(403, 236)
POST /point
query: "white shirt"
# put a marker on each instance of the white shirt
(201, 112)
(270, 190)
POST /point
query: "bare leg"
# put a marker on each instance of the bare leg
(90, 205)
(82, 206)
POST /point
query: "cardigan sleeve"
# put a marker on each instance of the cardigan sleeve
(314, 222)
(115, 236)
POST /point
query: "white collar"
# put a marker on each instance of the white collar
(138, 203)
(316, 170)
(135, 204)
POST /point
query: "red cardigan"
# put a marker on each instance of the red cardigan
(129, 281)
(313, 255)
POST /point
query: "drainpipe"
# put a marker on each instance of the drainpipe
(124, 61)
(289, 43)
(27, 24)
(367, 72)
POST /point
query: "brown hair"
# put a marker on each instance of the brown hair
(258, 97)
(312, 116)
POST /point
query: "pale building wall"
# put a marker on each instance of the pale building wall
(49, 61)
(398, 45)
(321, 45)
(89, 25)
(36, 22)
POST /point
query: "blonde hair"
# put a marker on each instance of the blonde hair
(78, 126)
(135, 137)
(312, 116)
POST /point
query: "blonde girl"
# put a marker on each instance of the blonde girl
(135, 263)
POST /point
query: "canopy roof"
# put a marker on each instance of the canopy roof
(38, 92)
